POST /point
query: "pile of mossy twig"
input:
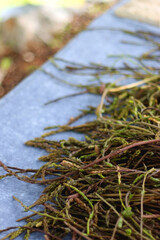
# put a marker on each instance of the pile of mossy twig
(107, 186)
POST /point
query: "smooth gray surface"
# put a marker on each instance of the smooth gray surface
(23, 115)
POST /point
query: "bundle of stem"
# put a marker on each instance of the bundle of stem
(108, 185)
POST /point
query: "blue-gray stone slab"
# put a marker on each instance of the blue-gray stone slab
(23, 114)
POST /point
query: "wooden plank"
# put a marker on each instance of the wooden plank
(147, 11)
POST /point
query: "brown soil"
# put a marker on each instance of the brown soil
(25, 62)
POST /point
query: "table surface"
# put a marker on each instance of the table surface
(23, 114)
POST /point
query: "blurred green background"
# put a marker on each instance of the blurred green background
(16, 3)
